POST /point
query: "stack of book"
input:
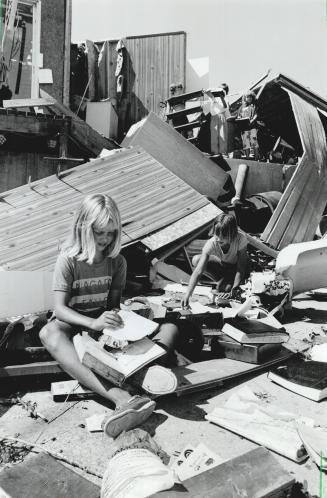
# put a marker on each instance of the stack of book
(252, 341)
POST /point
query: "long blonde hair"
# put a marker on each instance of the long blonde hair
(95, 212)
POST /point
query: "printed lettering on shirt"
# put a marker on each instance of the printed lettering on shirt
(89, 283)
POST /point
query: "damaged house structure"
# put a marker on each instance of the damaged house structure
(113, 117)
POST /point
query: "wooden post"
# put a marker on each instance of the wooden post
(68, 30)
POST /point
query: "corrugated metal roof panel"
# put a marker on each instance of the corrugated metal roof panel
(35, 218)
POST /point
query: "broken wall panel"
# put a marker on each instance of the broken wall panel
(35, 219)
(261, 176)
(151, 63)
(299, 210)
(16, 168)
(182, 158)
(53, 20)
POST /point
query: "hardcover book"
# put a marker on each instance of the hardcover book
(248, 331)
(249, 353)
(307, 378)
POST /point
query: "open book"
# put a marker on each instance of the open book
(258, 331)
(118, 364)
(135, 327)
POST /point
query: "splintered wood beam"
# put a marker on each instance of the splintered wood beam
(178, 99)
(258, 244)
(17, 103)
(29, 124)
(38, 368)
(81, 131)
(301, 206)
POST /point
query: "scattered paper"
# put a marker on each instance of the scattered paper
(319, 353)
(195, 461)
(197, 307)
(94, 423)
(135, 327)
(315, 442)
(267, 425)
(200, 290)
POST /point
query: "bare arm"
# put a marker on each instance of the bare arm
(199, 269)
(68, 315)
(114, 299)
(242, 263)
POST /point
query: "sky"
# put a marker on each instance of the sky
(237, 41)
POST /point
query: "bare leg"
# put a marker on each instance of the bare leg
(166, 337)
(155, 379)
(212, 269)
(56, 338)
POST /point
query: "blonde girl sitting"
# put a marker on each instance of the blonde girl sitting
(89, 278)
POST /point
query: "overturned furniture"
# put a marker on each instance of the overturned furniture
(303, 264)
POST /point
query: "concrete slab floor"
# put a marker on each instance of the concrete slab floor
(176, 422)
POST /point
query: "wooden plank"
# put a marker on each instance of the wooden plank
(255, 242)
(212, 373)
(29, 124)
(35, 218)
(301, 91)
(37, 368)
(81, 131)
(301, 206)
(17, 103)
(92, 70)
(42, 476)
(67, 48)
(179, 156)
(194, 222)
(160, 59)
(184, 112)
(179, 99)
(255, 474)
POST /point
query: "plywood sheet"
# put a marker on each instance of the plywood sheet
(35, 219)
(211, 373)
(41, 475)
(182, 158)
(261, 176)
(255, 474)
(300, 208)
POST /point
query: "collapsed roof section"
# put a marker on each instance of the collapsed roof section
(297, 116)
(35, 218)
(178, 155)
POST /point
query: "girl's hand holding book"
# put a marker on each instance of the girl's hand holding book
(109, 319)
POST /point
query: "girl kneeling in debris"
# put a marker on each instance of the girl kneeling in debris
(224, 256)
(89, 278)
